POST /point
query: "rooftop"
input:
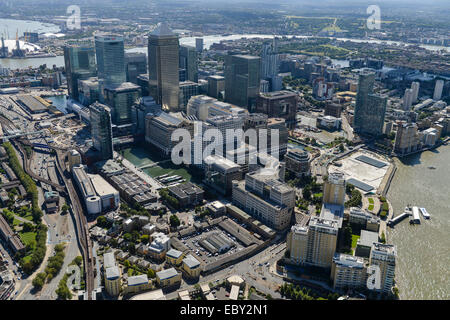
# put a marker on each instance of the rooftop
(167, 273)
(137, 280)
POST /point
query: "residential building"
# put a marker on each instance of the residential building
(136, 284)
(314, 244)
(191, 266)
(415, 86)
(406, 138)
(159, 246)
(348, 272)
(408, 99)
(242, 80)
(101, 130)
(334, 189)
(174, 257)
(384, 255)
(112, 274)
(163, 61)
(438, 88)
(365, 242)
(168, 278)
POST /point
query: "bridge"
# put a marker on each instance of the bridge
(21, 134)
(154, 164)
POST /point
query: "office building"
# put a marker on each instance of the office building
(88, 91)
(101, 130)
(187, 194)
(199, 44)
(348, 272)
(438, 88)
(242, 80)
(163, 62)
(74, 158)
(269, 65)
(79, 61)
(138, 113)
(384, 255)
(406, 139)
(110, 54)
(121, 98)
(87, 191)
(159, 127)
(278, 104)
(220, 172)
(188, 89)
(265, 198)
(216, 86)
(370, 108)
(333, 109)
(278, 135)
(189, 62)
(136, 64)
(298, 162)
(315, 244)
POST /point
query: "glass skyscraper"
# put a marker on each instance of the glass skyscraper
(163, 64)
(121, 98)
(188, 62)
(242, 80)
(101, 130)
(110, 54)
(79, 60)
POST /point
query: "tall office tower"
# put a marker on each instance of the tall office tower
(334, 189)
(370, 109)
(278, 104)
(163, 63)
(199, 44)
(188, 89)
(79, 63)
(415, 86)
(101, 130)
(121, 98)
(216, 84)
(242, 80)
(408, 99)
(188, 62)
(314, 244)
(384, 255)
(406, 139)
(110, 54)
(135, 65)
(438, 90)
(269, 65)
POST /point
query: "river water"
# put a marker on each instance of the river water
(423, 250)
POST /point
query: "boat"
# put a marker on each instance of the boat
(415, 218)
(425, 213)
(431, 167)
(162, 176)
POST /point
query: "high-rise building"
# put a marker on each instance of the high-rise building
(121, 98)
(348, 272)
(199, 44)
(370, 109)
(242, 80)
(189, 62)
(334, 189)
(298, 162)
(278, 104)
(110, 54)
(188, 89)
(216, 84)
(163, 65)
(406, 139)
(270, 63)
(79, 60)
(101, 130)
(315, 244)
(415, 86)
(136, 64)
(408, 99)
(437, 95)
(384, 255)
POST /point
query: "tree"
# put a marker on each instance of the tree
(306, 192)
(151, 274)
(145, 238)
(39, 280)
(174, 221)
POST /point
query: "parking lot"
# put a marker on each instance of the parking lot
(192, 242)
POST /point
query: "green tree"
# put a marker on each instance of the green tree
(174, 221)
(39, 280)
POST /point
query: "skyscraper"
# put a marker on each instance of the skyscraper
(384, 255)
(188, 62)
(79, 60)
(370, 108)
(334, 189)
(408, 99)
(101, 130)
(269, 65)
(121, 98)
(163, 63)
(242, 80)
(415, 86)
(135, 64)
(199, 44)
(438, 90)
(110, 54)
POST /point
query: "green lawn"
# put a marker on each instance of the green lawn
(354, 240)
(27, 237)
(371, 207)
(371, 201)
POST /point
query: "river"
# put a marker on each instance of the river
(423, 250)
